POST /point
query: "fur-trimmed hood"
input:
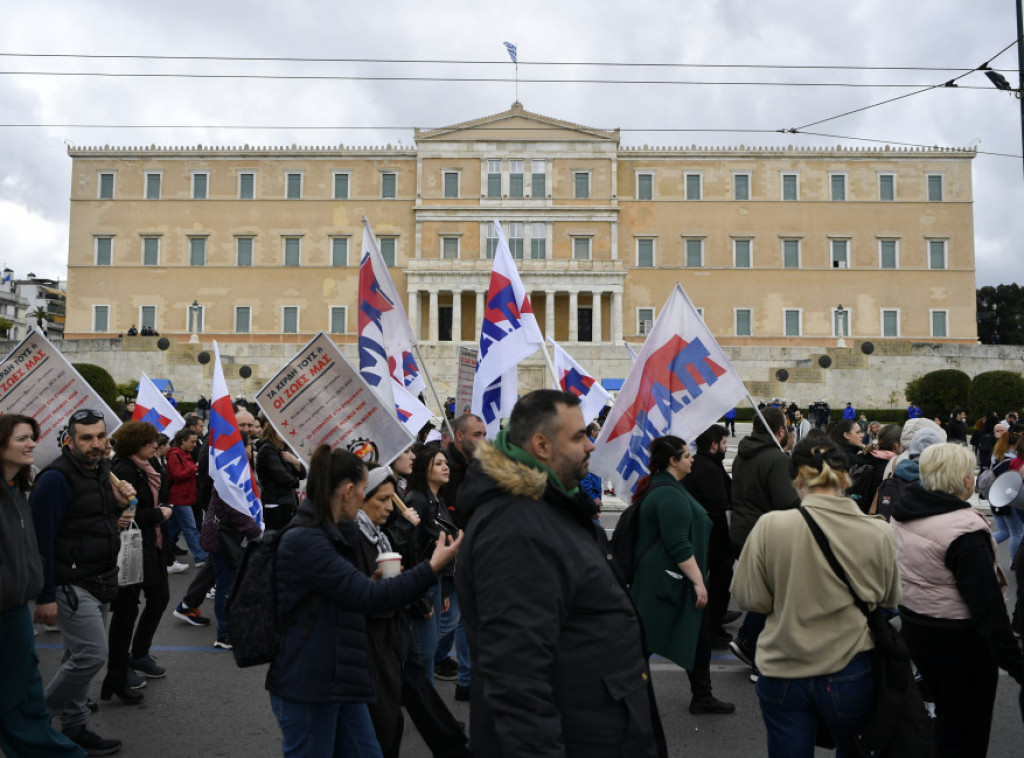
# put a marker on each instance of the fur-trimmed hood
(512, 476)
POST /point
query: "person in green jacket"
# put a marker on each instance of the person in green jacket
(668, 589)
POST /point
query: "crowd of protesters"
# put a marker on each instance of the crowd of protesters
(507, 587)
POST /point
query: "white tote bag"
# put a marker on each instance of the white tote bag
(129, 557)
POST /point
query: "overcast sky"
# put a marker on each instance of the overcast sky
(35, 169)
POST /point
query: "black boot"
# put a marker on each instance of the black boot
(709, 704)
(122, 690)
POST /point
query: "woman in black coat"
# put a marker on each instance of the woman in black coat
(134, 444)
(279, 473)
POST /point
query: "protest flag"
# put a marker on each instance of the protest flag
(682, 383)
(509, 335)
(153, 407)
(572, 378)
(229, 464)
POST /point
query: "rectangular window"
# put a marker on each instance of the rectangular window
(694, 253)
(339, 319)
(841, 322)
(887, 251)
(887, 187)
(290, 319)
(743, 322)
(150, 251)
(243, 251)
(450, 248)
(515, 238)
(741, 186)
(292, 251)
(537, 178)
(890, 323)
(581, 185)
(104, 251)
(581, 248)
(451, 183)
(791, 253)
(243, 319)
(387, 250)
(194, 319)
(837, 183)
(493, 178)
(790, 187)
(840, 253)
(935, 188)
(694, 186)
(936, 254)
(515, 178)
(340, 185)
(147, 316)
(538, 241)
(645, 186)
(200, 185)
(153, 180)
(645, 253)
(246, 185)
(644, 320)
(940, 327)
(197, 251)
(106, 186)
(101, 318)
(791, 321)
(741, 253)
(293, 186)
(492, 240)
(389, 185)
(339, 251)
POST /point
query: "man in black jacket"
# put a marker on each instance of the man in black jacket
(469, 431)
(558, 659)
(709, 483)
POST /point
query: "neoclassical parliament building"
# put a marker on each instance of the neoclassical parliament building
(775, 246)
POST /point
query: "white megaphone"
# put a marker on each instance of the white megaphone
(1007, 489)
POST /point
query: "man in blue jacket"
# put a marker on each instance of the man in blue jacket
(849, 413)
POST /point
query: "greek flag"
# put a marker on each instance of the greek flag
(511, 51)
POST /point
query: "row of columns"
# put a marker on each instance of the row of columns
(597, 335)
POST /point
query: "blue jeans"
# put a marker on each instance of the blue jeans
(790, 708)
(1010, 526)
(427, 632)
(184, 520)
(325, 730)
(224, 571)
(451, 630)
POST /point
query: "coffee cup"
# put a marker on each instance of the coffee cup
(390, 564)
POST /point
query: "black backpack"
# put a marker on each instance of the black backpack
(625, 535)
(256, 631)
(889, 493)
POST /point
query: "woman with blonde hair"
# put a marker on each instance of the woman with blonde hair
(814, 655)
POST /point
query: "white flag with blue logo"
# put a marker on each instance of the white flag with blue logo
(511, 51)
(573, 378)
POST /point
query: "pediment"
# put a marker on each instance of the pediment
(516, 125)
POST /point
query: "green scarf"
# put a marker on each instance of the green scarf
(516, 453)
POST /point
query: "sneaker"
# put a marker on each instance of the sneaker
(447, 670)
(92, 743)
(177, 568)
(212, 593)
(461, 693)
(92, 705)
(741, 651)
(191, 616)
(199, 564)
(223, 643)
(50, 628)
(134, 681)
(709, 704)
(146, 666)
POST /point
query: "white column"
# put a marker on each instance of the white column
(596, 311)
(479, 312)
(457, 316)
(549, 315)
(414, 313)
(617, 317)
(574, 316)
(432, 317)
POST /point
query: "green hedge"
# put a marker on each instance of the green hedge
(998, 391)
(100, 380)
(938, 393)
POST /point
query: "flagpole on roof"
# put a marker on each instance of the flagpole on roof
(513, 54)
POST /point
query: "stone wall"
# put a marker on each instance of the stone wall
(865, 380)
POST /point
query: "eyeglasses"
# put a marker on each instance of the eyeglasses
(86, 416)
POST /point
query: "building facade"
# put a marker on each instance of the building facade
(779, 246)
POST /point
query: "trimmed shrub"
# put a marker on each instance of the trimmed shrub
(100, 380)
(939, 392)
(998, 391)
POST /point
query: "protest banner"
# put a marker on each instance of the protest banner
(464, 380)
(37, 380)
(319, 398)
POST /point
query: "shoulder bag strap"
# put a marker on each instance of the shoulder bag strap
(826, 548)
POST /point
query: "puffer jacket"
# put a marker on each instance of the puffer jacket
(182, 473)
(760, 483)
(542, 606)
(323, 656)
